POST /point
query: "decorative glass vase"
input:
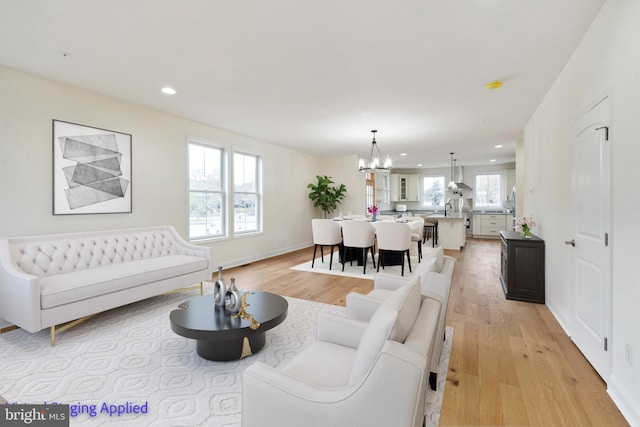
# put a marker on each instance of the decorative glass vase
(232, 297)
(374, 217)
(526, 233)
(219, 289)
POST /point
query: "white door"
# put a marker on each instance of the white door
(591, 328)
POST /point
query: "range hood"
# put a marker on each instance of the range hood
(458, 179)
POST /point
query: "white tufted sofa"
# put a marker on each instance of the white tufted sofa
(49, 280)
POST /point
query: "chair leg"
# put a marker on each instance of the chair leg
(373, 256)
(364, 260)
(433, 380)
(419, 250)
(322, 253)
(409, 261)
(379, 259)
(331, 258)
(344, 257)
(315, 247)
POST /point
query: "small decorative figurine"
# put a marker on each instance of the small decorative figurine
(242, 312)
(232, 297)
(219, 289)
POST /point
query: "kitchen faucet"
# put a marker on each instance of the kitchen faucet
(445, 206)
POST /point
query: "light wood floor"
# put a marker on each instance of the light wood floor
(511, 363)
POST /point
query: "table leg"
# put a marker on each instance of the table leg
(225, 350)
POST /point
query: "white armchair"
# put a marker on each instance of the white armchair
(435, 273)
(356, 373)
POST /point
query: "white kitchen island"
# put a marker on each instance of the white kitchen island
(452, 230)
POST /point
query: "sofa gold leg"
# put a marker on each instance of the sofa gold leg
(188, 288)
(56, 330)
(9, 329)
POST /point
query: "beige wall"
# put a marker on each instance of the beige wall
(607, 61)
(27, 106)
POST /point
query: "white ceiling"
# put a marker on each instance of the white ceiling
(315, 75)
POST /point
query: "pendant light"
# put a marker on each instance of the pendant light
(452, 184)
(373, 164)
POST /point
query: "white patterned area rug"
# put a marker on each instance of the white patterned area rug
(130, 356)
(355, 270)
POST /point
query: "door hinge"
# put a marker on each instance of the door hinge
(606, 132)
(606, 239)
(605, 344)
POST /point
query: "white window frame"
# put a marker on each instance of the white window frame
(257, 194)
(476, 188)
(423, 199)
(223, 192)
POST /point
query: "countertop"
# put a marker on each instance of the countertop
(491, 213)
(454, 215)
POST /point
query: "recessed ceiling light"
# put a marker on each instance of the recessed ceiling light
(492, 160)
(403, 154)
(169, 90)
(497, 146)
(419, 165)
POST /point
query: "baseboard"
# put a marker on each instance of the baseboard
(259, 257)
(619, 394)
(560, 319)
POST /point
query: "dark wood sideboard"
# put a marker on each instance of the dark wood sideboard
(522, 267)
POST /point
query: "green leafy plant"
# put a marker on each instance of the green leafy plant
(326, 195)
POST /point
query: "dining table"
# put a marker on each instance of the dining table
(415, 224)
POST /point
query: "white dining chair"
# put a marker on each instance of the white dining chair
(326, 232)
(358, 235)
(393, 237)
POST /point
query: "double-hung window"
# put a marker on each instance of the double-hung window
(207, 218)
(247, 201)
(488, 191)
(433, 192)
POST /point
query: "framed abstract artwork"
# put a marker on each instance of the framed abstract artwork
(91, 170)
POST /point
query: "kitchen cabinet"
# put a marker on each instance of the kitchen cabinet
(382, 188)
(522, 267)
(490, 225)
(413, 193)
(404, 187)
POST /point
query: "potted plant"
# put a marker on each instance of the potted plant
(326, 195)
(524, 225)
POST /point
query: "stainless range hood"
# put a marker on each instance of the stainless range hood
(458, 179)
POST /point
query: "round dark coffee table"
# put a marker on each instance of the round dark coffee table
(221, 337)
